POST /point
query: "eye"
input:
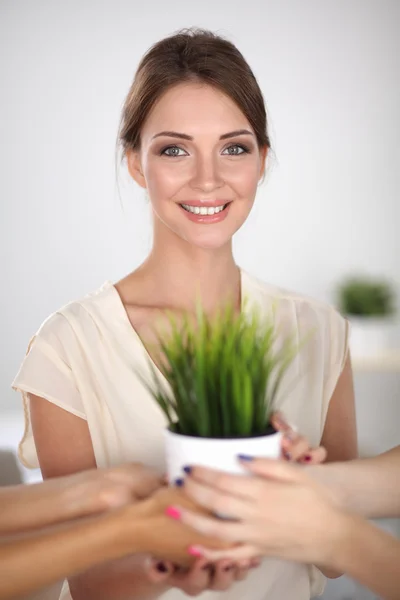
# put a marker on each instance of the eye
(173, 151)
(236, 149)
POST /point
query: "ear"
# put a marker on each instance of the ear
(135, 167)
(263, 158)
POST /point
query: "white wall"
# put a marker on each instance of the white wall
(330, 74)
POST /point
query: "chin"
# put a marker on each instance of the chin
(203, 236)
(209, 243)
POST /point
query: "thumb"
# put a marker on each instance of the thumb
(278, 470)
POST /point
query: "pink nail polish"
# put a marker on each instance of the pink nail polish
(173, 512)
(193, 551)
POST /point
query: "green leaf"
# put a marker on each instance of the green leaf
(224, 372)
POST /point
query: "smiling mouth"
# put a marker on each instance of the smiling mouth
(204, 210)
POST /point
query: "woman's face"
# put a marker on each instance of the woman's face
(200, 162)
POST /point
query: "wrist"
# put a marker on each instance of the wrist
(341, 530)
(332, 477)
(128, 526)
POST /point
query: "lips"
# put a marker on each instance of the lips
(206, 213)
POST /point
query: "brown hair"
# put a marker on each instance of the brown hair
(192, 55)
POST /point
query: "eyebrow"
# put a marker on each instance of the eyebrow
(185, 136)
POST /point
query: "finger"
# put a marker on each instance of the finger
(297, 448)
(241, 572)
(196, 580)
(234, 555)
(158, 571)
(224, 572)
(235, 485)
(223, 530)
(315, 457)
(218, 502)
(278, 470)
(280, 423)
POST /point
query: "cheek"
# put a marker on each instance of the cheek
(163, 180)
(244, 178)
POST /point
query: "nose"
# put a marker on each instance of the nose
(206, 176)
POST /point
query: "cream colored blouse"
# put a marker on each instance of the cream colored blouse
(82, 360)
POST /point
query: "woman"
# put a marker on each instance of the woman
(314, 516)
(194, 135)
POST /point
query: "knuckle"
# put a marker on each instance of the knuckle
(219, 503)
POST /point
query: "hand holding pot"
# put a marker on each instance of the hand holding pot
(282, 512)
(295, 447)
(169, 542)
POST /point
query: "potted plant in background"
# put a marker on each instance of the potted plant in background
(369, 304)
(223, 375)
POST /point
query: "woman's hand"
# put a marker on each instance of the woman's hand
(74, 496)
(150, 530)
(204, 574)
(295, 447)
(282, 512)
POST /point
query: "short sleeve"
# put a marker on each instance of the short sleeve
(45, 372)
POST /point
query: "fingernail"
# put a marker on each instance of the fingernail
(228, 568)
(161, 567)
(173, 512)
(193, 551)
(246, 457)
(307, 457)
(187, 470)
(179, 482)
(287, 455)
(254, 564)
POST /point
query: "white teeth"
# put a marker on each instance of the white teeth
(203, 210)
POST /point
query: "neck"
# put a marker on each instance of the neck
(178, 274)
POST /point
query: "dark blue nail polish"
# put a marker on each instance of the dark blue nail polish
(187, 470)
(246, 457)
(287, 455)
(179, 482)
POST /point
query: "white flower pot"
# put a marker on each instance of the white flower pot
(219, 454)
(369, 336)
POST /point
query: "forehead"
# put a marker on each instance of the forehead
(195, 109)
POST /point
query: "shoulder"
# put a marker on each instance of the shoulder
(76, 313)
(289, 306)
(282, 297)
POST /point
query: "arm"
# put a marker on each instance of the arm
(46, 557)
(339, 437)
(367, 554)
(64, 446)
(28, 507)
(50, 555)
(369, 487)
(286, 513)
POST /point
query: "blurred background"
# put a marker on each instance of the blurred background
(329, 209)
